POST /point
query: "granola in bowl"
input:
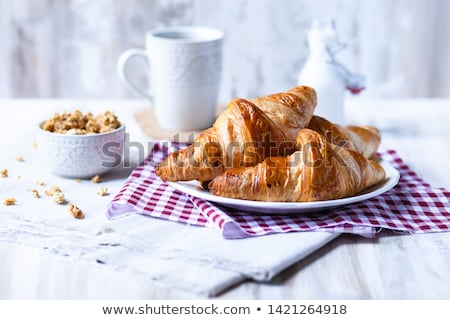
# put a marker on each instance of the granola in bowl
(78, 123)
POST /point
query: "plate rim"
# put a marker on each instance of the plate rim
(391, 180)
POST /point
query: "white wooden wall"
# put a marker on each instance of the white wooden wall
(69, 48)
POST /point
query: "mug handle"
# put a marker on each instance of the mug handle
(122, 70)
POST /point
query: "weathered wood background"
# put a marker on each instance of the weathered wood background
(69, 48)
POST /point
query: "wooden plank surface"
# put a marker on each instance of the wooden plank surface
(70, 48)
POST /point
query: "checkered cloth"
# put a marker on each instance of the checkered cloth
(412, 206)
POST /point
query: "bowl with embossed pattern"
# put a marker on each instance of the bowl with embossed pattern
(84, 155)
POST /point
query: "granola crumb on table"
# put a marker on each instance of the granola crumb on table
(9, 201)
(51, 191)
(59, 198)
(75, 211)
(96, 179)
(102, 191)
(35, 193)
(4, 173)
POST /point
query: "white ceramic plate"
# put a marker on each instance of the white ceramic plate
(192, 188)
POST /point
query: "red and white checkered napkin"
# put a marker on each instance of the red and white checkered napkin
(412, 206)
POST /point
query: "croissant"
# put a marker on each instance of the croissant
(243, 135)
(364, 139)
(291, 110)
(318, 171)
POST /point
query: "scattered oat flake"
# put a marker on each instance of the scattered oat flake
(102, 191)
(75, 211)
(41, 183)
(78, 180)
(19, 177)
(35, 145)
(96, 179)
(35, 193)
(20, 158)
(58, 198)
(4, 173)
(52, 191)
(9, 201)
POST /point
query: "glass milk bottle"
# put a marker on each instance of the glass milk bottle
(328, 77)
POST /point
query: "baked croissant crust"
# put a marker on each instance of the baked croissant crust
(243, 135)
(291, 111)
(318, 171)
(363, 139)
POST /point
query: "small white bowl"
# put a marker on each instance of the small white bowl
(81, 156)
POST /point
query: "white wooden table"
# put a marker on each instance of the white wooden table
(390, 266)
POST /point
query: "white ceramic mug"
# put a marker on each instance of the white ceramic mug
(184, 75)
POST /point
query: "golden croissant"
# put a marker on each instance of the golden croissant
(318, 171)
(364, 139)
(243, 135)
